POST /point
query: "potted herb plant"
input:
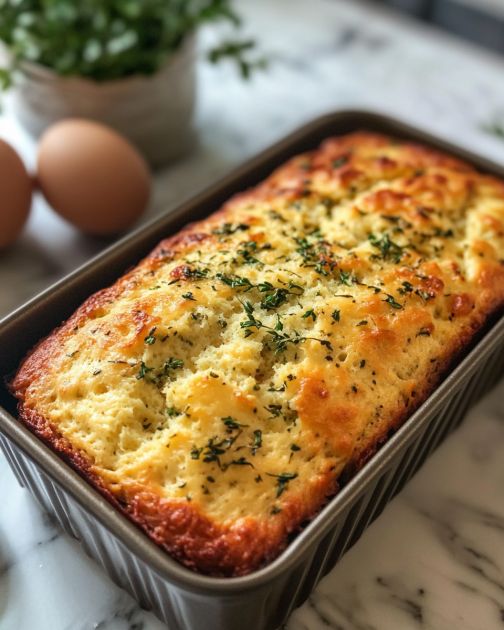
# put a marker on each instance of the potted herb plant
(127, 63)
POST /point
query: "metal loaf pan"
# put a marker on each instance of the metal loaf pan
(264, 599)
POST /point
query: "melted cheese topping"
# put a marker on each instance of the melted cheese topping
(269, 346)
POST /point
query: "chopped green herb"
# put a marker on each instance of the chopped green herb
(375, 289)
(336, 315)
(143, 371)
(275, 299)
(443, 233)
(216, 447)
(199, 273)
(275, 410)
(280, 339)
(196, 452)
(246, 253)
(316, 255)
(392, 301)
(276, 216)
(252, 321)
(283, 481)
(310, 313)
(172, 364)
(150, 339)
(406, 287)
(257, 443)
(232, 424)
(341, 161)
(322, 342)
(423, 332)
(190, 273)
(229, 228)
(424, 295)
(276, 296)
(346, 277)
(265, 286)
(235, 282)
(189, 296)
(295, 447)
(241, 461)
(173, 412)
(282, 388)
(213, 450)
(389, 250)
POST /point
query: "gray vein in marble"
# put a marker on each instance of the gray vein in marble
(448, 521)
(475, 591)
(342, 612)
(5, 566)
(312, 606)
(123, 611)
(9, 558)
(410, 601)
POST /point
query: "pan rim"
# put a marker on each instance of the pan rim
(129, 535)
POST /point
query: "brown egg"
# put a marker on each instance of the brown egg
(15, 195)
(92, 176)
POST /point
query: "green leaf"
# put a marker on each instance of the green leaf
(5, 78)
(111, 39)
(237, 52)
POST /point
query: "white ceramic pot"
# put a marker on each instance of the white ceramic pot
(154, 112)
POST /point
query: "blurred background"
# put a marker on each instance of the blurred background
(480, 21)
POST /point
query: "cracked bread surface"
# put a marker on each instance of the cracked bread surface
(217, 392)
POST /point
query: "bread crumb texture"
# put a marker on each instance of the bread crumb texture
(216, 392)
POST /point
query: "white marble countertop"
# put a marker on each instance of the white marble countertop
(435, 558)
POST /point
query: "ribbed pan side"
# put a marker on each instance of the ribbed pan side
(371, 504)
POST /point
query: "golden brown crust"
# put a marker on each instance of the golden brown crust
(389, 267)
(181, 529)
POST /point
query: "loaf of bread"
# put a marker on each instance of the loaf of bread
(217, 393)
